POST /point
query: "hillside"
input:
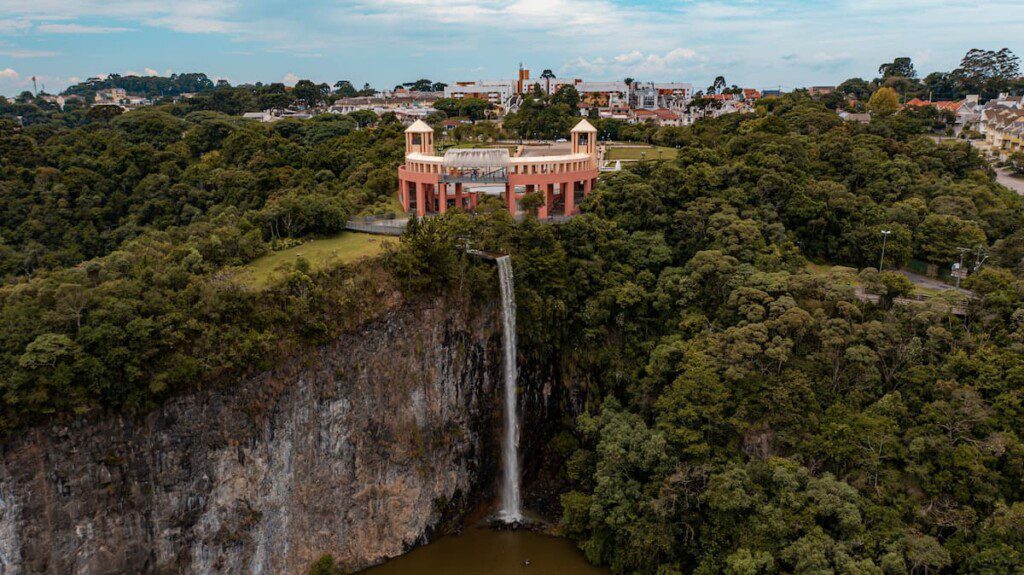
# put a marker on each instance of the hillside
(704, 398)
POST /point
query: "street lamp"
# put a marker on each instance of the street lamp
(885, 236)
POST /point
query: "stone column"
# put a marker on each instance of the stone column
(569, 194)
(442, 197)
(510, 198)
(421, 200)
(458, 196)
(542, 210)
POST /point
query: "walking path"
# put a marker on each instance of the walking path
(395, 227)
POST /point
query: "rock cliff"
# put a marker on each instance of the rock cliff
(359, 449)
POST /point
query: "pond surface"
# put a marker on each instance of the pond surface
(484, 551)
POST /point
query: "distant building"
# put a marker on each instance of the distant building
(119, 97)
(497, 92)
(654, 95)
(661, 117)
(1002, 124)
(854, 117)
(947, 106)
(604, 94)
(62, 99)
(260, 116)
(110, 96)
(821, 90)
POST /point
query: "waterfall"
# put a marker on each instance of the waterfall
(511, 505)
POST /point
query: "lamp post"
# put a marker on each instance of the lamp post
(881, 260)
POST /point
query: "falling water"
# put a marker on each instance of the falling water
(511, 506)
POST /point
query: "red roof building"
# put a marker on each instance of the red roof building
(942, 106)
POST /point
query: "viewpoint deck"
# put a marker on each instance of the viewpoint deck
(429, 184)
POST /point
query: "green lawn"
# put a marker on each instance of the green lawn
(636, 153)
(321, 254)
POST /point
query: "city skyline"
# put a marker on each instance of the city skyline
(787, 43)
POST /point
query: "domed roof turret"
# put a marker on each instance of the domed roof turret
(421, 127)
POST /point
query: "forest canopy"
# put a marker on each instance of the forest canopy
(745, 413)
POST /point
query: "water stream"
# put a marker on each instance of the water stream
(479, 550)
(511, 503)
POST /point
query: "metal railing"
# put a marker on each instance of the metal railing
(385, 226)
(473, 179)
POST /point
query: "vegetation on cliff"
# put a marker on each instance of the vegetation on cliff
(117, 240)
(746, 416)
(750, 417)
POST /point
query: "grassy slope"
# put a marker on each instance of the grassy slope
(633, 153)
(321, 254)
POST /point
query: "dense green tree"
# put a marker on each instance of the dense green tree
(855, 87)
(310, 93)
(884, 102)
(900, 67)
(987, 72)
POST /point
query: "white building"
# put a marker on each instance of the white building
(494, 91)
(110, 96)
(655, 95)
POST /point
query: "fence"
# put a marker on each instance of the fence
(385, 226)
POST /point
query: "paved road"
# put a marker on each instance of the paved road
(1002, 176)
(1014, 183)
(932, 283)
(556, 149)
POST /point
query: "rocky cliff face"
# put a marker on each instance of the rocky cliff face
(359, 450)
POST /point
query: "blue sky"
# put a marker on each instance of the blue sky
(788, 43)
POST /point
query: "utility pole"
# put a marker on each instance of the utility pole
(881, 260)
(979, 258)
(960, 266)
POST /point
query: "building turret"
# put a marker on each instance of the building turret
(419, 138)
(584, 139)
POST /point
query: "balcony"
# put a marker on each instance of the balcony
(471, 178)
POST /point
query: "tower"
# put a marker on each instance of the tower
(584, 139)
(419, 138)
(523, 83)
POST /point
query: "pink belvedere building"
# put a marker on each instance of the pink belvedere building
(431, 184)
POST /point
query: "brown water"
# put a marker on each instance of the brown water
(483, 551)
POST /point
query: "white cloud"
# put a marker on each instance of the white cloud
(181, 15)
(14, 25)
(8, 74)
(11, 52)
(79, 29)
(677, 63)
(290, 79)
(751, 43)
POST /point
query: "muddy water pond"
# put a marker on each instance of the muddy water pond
(484, 551)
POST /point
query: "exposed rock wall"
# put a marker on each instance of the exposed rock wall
(358, 450)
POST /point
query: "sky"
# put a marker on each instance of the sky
(760, 44)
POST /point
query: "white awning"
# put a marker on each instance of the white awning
(476, 158)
